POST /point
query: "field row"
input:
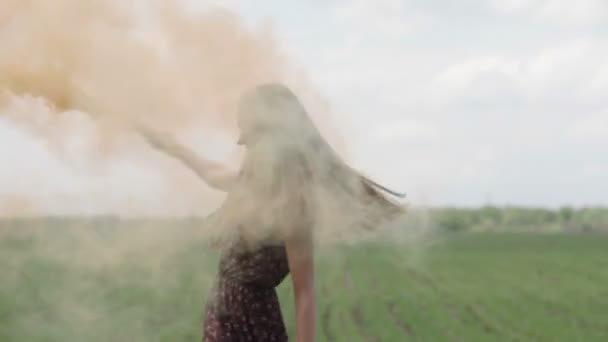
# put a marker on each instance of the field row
(458, 293)
(73, 285)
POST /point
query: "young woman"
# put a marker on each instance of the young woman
(291, 188)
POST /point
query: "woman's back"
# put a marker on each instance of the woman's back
(263, 266)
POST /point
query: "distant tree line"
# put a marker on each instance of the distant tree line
(484, 219)
(489, 218)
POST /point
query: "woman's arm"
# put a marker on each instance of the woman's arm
(301, 266)
(216, 175)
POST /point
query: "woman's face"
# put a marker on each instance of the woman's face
(242, 127)
(241, 140)
(248, 119)
(257, 115)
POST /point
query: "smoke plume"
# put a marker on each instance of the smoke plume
(66, 63)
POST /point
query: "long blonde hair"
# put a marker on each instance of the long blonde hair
(293, 183)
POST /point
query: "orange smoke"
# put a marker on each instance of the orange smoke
(121, 62)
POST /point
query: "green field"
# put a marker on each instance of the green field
(96, 282)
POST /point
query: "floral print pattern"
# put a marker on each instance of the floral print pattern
(244, 305)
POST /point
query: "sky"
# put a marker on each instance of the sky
(460, 103)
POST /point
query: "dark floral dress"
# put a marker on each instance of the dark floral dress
(244, 305)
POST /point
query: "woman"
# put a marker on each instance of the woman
(291, 188)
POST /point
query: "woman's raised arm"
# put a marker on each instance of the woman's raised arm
(216, 175)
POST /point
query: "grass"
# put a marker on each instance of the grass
(85, 283)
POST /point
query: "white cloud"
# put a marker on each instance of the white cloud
(484, 77)
(579, 11)
(29, 171)
(561, 11)
(383, 18)
(510, 6)
(568, 64)
(572, 70)
(598, 87)
(452, 117)
(592, 128)
(405, 131)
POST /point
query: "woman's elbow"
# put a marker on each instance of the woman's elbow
(221, 180)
